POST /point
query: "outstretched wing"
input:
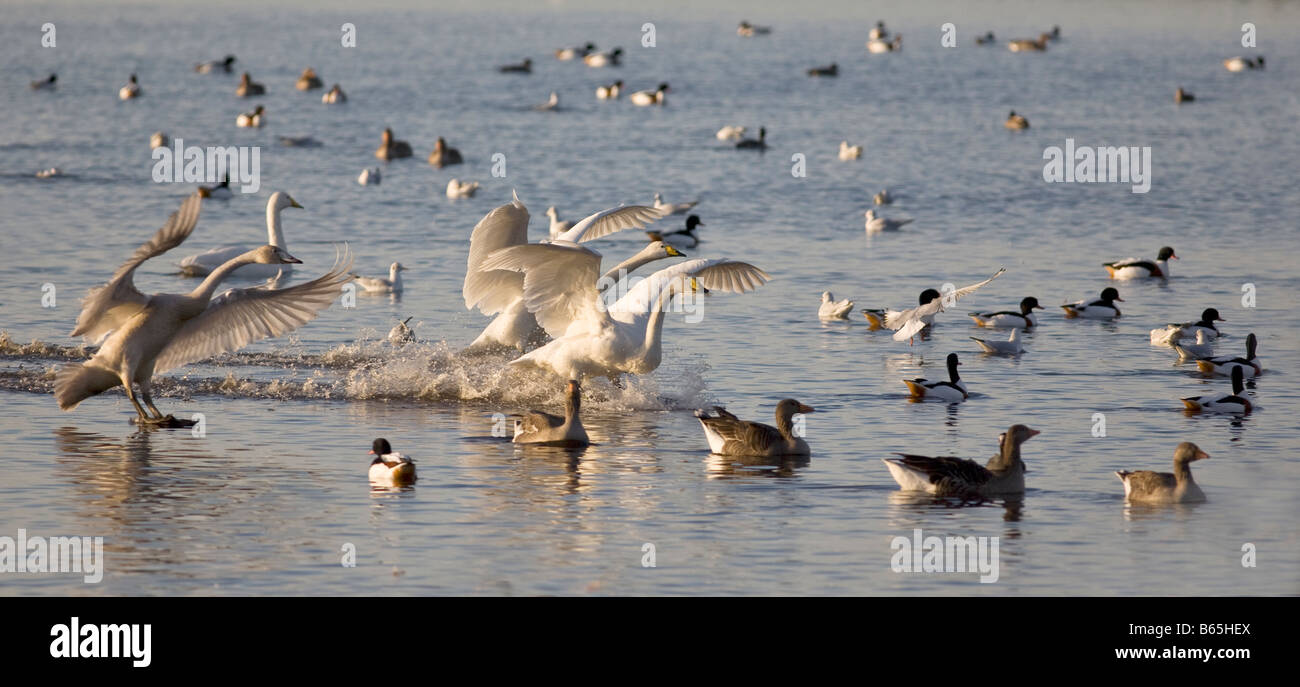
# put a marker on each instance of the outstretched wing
(559, 281)
(609, 221)
(492, 291)
(239, 317)
(908, 322)
(107, 307)
(715, 274)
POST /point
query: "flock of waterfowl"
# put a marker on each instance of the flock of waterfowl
(561, 310)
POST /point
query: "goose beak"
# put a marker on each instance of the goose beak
(1202, 455)
(1033, 433)
(806, 409)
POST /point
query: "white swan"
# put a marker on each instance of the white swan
(146, 335)
(673, 208)
(130, 90)
(832, 309)
(501, 292)
(458, 189)
(848, 152)
(204, 263)
(594, 338)
(393, 284)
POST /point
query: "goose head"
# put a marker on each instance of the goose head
(440, 144)
(1166, 253)
(789, 406)
(1029, 304)
(387, 136)
(1188, 452)
(273, 255)
(1110, 294)
(1019, 434)
(244, 79)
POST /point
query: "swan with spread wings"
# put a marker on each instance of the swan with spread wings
(145, 335)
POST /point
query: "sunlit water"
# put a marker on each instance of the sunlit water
(267, 500)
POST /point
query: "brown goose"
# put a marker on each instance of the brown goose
(728, 435)
(249, 87)
(951, 476)
(391, 150)
(1164, 487)
(538, 427)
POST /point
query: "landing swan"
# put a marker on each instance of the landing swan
(204, 263)
(146, 335)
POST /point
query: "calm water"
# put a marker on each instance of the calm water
(265, 501)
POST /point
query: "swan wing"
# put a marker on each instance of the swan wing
(720, 274)
(908, 322)
(559, 281)
(494, 290)
(609, 221)
(239, 317)
(106, 308)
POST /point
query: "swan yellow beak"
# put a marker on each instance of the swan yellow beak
(294, 204)
(673, 252)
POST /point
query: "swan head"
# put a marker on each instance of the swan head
(273, 255)
(1188, 452)
(281, 200)
(658, 249)
(1166, 253)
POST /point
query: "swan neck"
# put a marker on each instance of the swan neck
(628, 266)
(274, 234)
(654, 328)
(209, 285)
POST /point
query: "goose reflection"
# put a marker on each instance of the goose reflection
(728, 467)
(918, 503)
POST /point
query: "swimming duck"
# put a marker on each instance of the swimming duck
(223, 66)
(883, 198)
(831, 69)
(299, 141)
(731, 133)
(130, 90)
(1101, 308)
(1146, 486)
(538, 427)
(728, 435)
(951, 391)
(878, 32)
(880, 45)
(525, 67)
(1009, 347)
(1181, 96)
(609, 92)
(49, 173)
(308, 80)
(1015, 121)
(603, 59)
(570, 53)
(959, 477)
(393, 284)
(45, 84)
(673, 208)
(1002, 319)
(1225, 364)
(251, 119)
(1137, 268)
(220, 191)
(247, 87)
(390, 468)
(1234, 403)
(655, 97)
(681, 237)
(159, 140)
(832, 309)
(986, 39)
(334, 96)
(749, 30)
(1029, 45)
(759, 143)
(1171, 333)
(442, 155)
(390, 149)
(876, 224)
(1239, 64)
(457, 189)
(848, 152)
